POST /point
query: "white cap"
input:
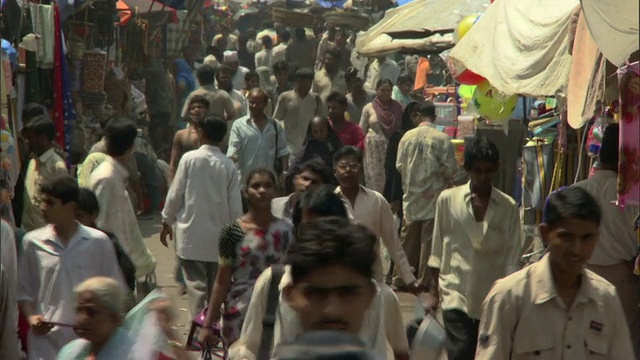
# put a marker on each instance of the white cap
(230, 56)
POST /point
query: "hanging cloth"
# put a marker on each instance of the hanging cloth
(629, 158)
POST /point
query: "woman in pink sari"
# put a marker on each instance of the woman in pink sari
(380, 119)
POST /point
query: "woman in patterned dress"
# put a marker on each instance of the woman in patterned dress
(248, 246)
(380, 119)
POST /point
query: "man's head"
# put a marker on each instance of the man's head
(284, 36)
(570, 229)
(189, 53)
(337, 105)
(347, 162)
(211, 129)
(230, 60)
(281, 72)
(88, 208)
(198, 107)
(120, 135)
(39, 133)
(100, 303)
(341, 37)
(224, 76)
(251, 80)
(311, 174)
(609, 149)
(258, 100)
(304, 80)
(206, 75)
(481, 161)
(31, 110)
(332, 269)
(331, 60)
(318, 202)
(405, 84)
(319, 127)
(267, 42)
(300, 34)
(427, 111)
(59, 199)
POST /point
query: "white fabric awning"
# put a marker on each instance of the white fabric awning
(520, 46)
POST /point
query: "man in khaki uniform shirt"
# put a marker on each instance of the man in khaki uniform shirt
(556, 309)
(220, 102)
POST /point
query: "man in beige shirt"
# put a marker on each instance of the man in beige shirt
(426, 163)
(39, 133)
(556, 309)
(330, 78)
(476, 241)
(220, 102)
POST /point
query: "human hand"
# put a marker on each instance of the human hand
(207, 338)
(431, 301)
(166, 231)
(39, 326)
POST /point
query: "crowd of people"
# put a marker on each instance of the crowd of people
(287, 173)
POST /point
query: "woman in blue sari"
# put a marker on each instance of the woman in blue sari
(185, 83)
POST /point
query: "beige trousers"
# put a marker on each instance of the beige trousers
(416, 238)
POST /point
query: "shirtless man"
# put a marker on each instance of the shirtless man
(187, 139)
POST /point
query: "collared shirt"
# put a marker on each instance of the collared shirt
(471, 255)
(279, 52)
(350, 134)
(523, 317)
(373, 211)
(117, 215)
(238, 78)
(203, 198)
(296, 113)
(132, 165)
(288, 327)
(427, 163)
(254, 148)
(48, 165)
(264, 57)
(48, 273)
(282, 207)
(618, 242)
(220, 103)
(324, 84)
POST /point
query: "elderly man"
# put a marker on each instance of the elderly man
(230, 60)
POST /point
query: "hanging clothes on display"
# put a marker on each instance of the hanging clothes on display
(629, 158)
(42, 20)
(537, 171)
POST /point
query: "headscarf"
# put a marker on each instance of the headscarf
(185, 73)
(389, 115)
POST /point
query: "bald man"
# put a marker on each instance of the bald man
(258, 141)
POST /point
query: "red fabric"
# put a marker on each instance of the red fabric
(58, 96)
(350, 135)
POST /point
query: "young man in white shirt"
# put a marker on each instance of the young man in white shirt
(309, 175)
(204, 196)
(108, 183)
(55, 259)
(476, 241)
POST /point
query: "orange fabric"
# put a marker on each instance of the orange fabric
(422, 74)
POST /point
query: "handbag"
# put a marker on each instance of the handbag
(219, 349)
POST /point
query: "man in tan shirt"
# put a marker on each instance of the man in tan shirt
(39, 133)
(330, 78)
(556, 309)
(220, 102)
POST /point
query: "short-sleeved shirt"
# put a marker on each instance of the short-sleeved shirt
(220, 103)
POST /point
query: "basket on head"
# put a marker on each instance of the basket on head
(293, 18)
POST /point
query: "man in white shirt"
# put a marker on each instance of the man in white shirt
(330, 78)
(476, 241)
(204, 196)
(224, 78)
(56, 258)
(280, 50)
(296, 108)
(614, 253)
(379, 69)
(264, 57)
(108, 183)
(238, 72)
(426, 163)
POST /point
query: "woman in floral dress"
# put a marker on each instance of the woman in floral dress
(380, 119)
(247, 246)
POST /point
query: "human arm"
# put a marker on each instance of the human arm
(359, 136)
(497, 324)
(435, 259)
(234, 196)
(364, 124)
(282, 151)
(175, 150)
(184, 113)
(230, 112)
(221, 288)
(514, 249)
(235, 143)
(174, 202)
(621, 346)
(394, 325)
(278, 113)
(389, 235)
(447, 160)
(28, 289)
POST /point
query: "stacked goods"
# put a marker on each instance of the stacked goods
(294, 18)
(350, 19)
(93, 73)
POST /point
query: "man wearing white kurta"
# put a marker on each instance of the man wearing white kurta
(204, 196)
(55, 259)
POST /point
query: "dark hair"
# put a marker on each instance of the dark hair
(320, 201)
(300, 33)
(338, 97)
(384, 82)
(610, 143)
(318, 167)
(571, 202)
(304, 73)
(407, 122)
(481, 149)
(334, 53)
(284, 36)
(62, 187)
(31, 110)
(332, 241)
(259, 171)
(351, 74)
(427, 109)
(213, 127)
(200, 99)
(251, 74)
(347, 151)
(188, 47)
(404, 79)
(223, 69)
(41, 125)
(88, 202)
(206, 74)
(267, 41)
(333, 140)
(280, 66)
(120, 134)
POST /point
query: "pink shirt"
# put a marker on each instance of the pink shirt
(351, 135)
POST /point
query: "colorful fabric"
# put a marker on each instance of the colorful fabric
(249, 254)
(389, 116)
(629, 162)
(537, 171)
